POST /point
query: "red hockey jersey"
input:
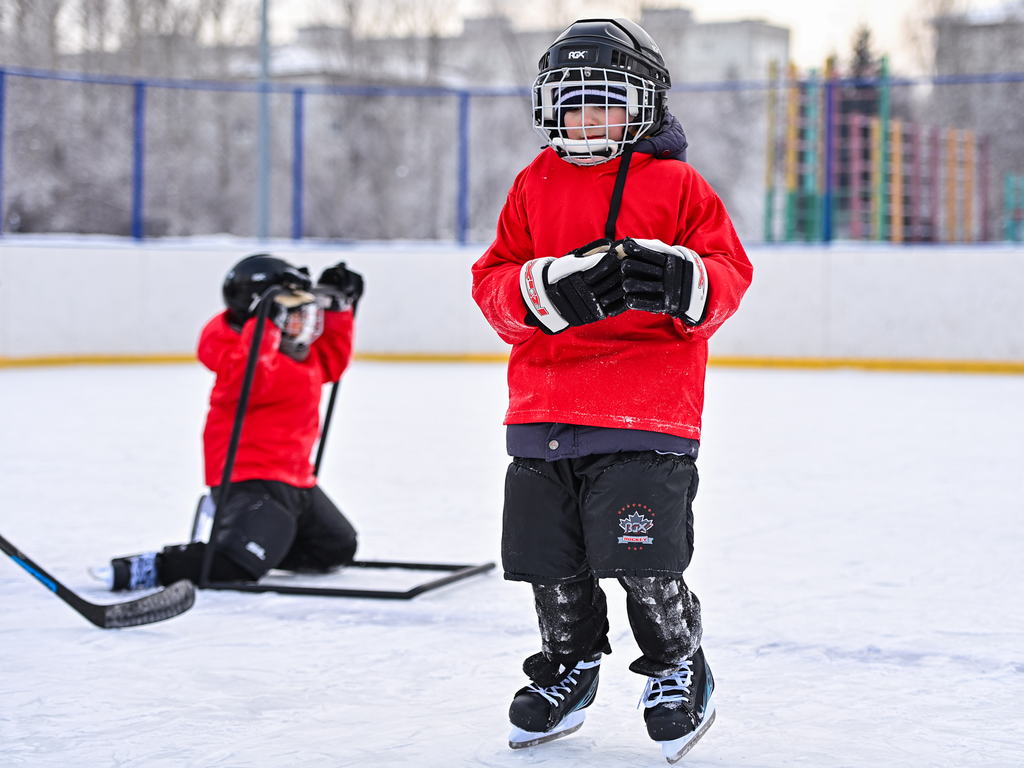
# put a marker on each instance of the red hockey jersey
(637, 370)
(282, 421)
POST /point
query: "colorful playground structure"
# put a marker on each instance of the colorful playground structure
(839, 166)
(1014, 197)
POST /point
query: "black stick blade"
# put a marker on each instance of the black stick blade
(165, 604)
(162, 605)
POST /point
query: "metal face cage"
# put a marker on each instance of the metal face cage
(557, 92)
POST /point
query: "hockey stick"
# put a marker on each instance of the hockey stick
(201, 510)
(165, 604)
(262, 310)
(323, 431)
(457, 572)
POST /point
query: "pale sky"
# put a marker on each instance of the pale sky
(818, 28)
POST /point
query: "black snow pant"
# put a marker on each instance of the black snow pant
(267, 524)
(627, 516)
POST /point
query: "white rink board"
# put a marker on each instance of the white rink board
(117, 297)
(63, 296)
(881, 302)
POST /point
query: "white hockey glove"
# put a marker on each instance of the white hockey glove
(582, 287)
(664, 279)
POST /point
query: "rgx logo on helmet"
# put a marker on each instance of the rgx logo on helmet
(577, 55)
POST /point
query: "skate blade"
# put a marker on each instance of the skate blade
(520, 739)
(103, 573)
(676, 749)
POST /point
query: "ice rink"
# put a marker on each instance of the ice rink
(859, 557)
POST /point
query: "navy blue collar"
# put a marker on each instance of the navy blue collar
(667, 144)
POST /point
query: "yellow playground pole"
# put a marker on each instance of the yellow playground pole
(896, 141)
(968, 207)
(792, 134)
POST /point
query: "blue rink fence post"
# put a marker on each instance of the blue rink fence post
(138, 157)
(3, 100)
(462, 225)
(298, 127)
(830, 149)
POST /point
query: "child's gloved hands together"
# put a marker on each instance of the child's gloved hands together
(604, 279)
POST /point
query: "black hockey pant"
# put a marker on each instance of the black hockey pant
(626, 515)
(267, 524)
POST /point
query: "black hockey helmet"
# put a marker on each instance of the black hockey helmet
(249, 278)
(601, 62)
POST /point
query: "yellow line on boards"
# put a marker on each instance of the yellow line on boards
(427, 357)
(49, 360)
(872, 364)
(796, 363)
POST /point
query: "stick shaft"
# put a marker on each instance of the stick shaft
(327, 424)
(262, 310)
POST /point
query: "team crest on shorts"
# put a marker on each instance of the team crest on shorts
(635, 528)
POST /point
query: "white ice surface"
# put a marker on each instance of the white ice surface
(859, 557)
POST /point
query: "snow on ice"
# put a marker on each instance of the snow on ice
(858, 558)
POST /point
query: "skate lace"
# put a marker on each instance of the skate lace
(556, 693)
(668, 689)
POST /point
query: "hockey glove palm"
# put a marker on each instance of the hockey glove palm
(342, 287)
(582, 287)
(664, 279)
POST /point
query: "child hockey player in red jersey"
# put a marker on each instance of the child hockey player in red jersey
(606, 378)
(276, 515)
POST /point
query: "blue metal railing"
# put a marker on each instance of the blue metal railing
(463, 99)
(138, 157)
(298, 133)
(3, 102)
(298, 93)
(463, 195)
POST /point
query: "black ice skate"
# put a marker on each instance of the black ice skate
(678, 707)
(539, 714)
(129, 573)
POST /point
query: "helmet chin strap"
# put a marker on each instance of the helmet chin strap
(620, 185)
(586, 151)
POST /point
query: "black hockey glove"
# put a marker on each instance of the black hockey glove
(663, 279)
(342, 286)
(582, 287)
(278, 313)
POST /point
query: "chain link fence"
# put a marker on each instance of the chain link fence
(928, 159)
